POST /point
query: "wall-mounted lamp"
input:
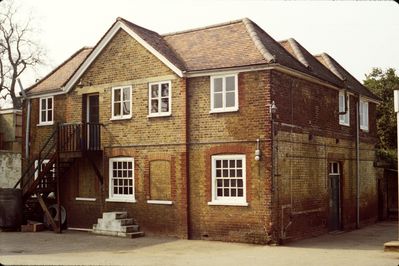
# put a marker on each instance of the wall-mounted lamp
(273, 108)
(257, 151)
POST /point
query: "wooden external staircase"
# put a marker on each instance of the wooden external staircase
(40, 182)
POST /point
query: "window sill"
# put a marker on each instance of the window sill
(45, 124)
(120, 200)
(160, 202)
(343, 124)
(221, 203)
(159, 115)
(216, 111)
(85, 199)
(364, 129)
(121, 118)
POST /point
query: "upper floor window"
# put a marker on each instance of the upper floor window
(160, 100)
(364, 115)
(224, 93)
(121, 102)
(228, 180)
(46, 111)
(343, 119)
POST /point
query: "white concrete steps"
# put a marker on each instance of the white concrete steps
(117, 224)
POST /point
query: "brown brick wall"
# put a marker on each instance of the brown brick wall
(40, 134)
(313, 108)
(230, 133)
(123, 59)
(308, 138)
(152, 218)
(303, 188)
(188, 138)
(125, 62)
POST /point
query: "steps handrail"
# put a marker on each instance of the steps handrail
(40, 160)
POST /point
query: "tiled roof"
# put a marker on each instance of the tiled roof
(157, 42)
(281, 56)
(231, 44)
(309, 61)
(219, 46)
(56, 79)
(343, 74)
(237, 43)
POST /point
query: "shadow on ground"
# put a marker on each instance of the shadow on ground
(16, 243)
(48, 242)
(371, 237)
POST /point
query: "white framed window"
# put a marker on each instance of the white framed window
(46, 111)
(334, 168)
(159, 99)
(121, 179)
(121, 103)
(344, 119)
(364, 115)
(229, 180)
(224, 93)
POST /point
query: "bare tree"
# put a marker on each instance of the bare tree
(18, 50)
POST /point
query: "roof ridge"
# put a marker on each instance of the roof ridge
(258, 43)
(326, 57)
(295, 47)
(58, 67)
(285, 40)
(203, 28)
(123, 20)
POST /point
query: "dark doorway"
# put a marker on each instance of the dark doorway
(92, 117)
(382, 200)
(334, 177)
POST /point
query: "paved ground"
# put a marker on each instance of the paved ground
(361, 247)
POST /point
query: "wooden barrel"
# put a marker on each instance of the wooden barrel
(11, 213)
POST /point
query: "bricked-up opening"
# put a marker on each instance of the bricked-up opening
(160, 185)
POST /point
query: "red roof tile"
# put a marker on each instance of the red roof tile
(352, 83)
(309, 61)
(56, 79)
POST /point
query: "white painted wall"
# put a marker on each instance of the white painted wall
(10, 168)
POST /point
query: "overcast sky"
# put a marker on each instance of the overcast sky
(359, 34)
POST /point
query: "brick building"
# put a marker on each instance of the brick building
(215, 133)
(10, 129)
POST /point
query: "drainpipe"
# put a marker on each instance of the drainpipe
(272, 111)
(187, 140)
(396, 109)
(27, 127)
(357, 163)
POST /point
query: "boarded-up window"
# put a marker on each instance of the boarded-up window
(87, 181)
(160, 188)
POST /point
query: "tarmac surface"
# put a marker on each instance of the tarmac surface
(360, 247)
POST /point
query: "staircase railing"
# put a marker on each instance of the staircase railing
(33, 167)
(80, 137)
(67, 137)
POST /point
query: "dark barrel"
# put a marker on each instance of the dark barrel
(10, 208)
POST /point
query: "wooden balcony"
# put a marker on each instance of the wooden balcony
(79, 137)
